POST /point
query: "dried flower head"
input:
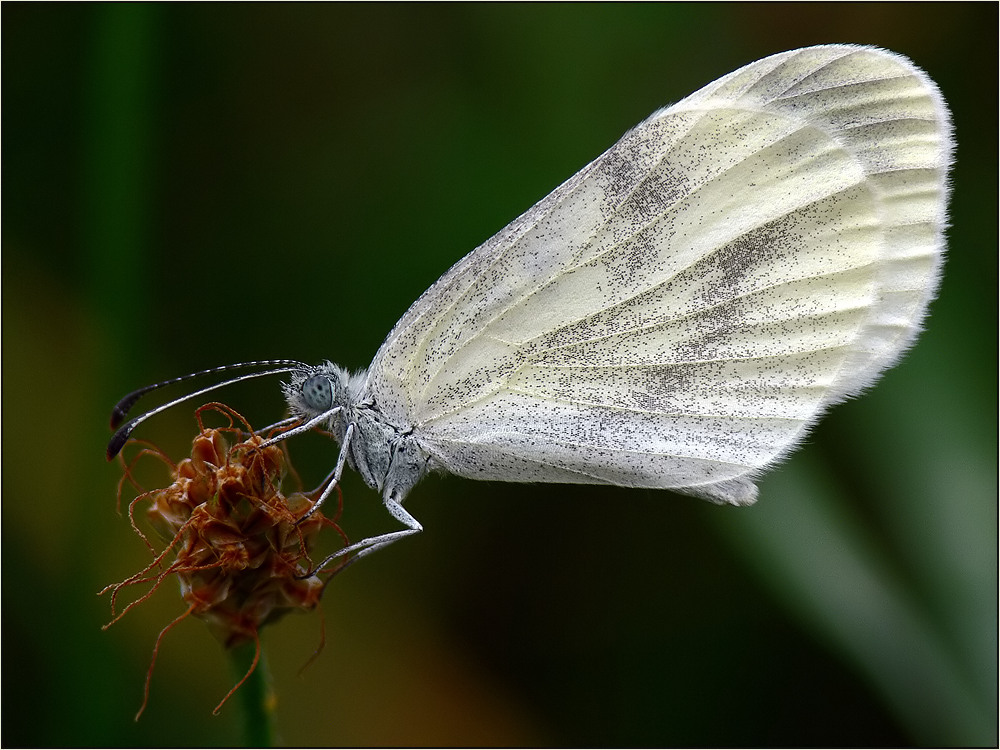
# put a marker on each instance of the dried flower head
(239, 547)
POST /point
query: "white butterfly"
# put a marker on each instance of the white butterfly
(678, 313)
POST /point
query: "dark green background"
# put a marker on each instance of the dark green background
(190, 185)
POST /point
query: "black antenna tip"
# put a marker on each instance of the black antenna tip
(121, 409)
(117, 441)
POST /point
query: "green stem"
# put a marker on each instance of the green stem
(256, 696)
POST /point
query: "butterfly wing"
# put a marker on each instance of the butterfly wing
(677, 313)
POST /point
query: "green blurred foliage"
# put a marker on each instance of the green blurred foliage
(188, 185)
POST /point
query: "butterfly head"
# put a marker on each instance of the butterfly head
(314, 391)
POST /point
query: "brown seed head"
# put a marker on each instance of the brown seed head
(240, 547)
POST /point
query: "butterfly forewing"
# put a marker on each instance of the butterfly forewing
(677, 313)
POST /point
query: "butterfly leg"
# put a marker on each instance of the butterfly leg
(334, 478)
(405, 463)
(298, 430)
(369, 545)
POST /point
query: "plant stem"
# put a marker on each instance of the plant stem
(256, 696)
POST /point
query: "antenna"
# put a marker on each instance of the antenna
(121, 409)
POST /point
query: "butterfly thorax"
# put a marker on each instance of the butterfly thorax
(386, 455)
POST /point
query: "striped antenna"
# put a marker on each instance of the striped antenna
(121, 409)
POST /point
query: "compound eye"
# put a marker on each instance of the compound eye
(317, 392)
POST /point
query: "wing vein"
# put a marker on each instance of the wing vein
(501, 386)
(616, 245)
(698, 311)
